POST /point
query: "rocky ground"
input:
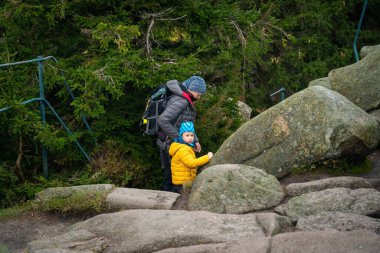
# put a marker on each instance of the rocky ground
(16, 232)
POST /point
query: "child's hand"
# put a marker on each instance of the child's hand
(210, 155)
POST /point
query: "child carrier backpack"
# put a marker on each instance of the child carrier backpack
(155, 105)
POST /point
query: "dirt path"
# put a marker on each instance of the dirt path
(15, 233)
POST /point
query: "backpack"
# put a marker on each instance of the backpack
(155, 105)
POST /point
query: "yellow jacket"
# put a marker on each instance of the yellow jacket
(184, 163)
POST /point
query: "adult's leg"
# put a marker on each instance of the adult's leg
(166, 170)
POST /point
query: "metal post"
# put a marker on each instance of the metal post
(358, 29)
(282, 94)
(42, 110)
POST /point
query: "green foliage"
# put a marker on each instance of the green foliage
(112, 164)
(7, 181)
(13, 192)
(338, 167)
(219, 118)
(14, 211)
(78, 203)
(119, 34)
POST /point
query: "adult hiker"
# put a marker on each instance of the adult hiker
(179, 108)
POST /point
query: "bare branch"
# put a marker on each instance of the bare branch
(161, 16)
(102, 75)
(86, 31)
(279, 29)
(171, 19)
(243, 42)
(18, 167)
(242, 39)
(148, 46)
(157, 15)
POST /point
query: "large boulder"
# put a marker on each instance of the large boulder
(336, 221)
(324, 82)
(375, 114)
(317, 242)
(360, 82)
(75, 241)
(131, 198)
(151, 230)
(366, 50)
(244, 111)
(360, 241)
(360, 201)
(78, 198)
(234, 188)
(73, 199)
(296, 189)
(312, 125)
(66, 192)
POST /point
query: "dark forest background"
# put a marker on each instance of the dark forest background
(113, 53)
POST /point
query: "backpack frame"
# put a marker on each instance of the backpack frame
(155, 105)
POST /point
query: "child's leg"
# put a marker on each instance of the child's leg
(177, 188)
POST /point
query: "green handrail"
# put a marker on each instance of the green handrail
(44, 102)
(358, 29)
(58, 118)
(282, 92)
(39, 59)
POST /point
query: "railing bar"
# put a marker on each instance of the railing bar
(280, 90)
(56, 115)
(66, 128)
(28, 61)
(65, 81)
(44, 102)
(358, 29)
(73, 97)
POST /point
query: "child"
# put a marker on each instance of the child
(184, 162)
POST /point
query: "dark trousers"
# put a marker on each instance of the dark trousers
(177, 188)
(166, 170)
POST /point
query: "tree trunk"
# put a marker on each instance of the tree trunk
(18, 167)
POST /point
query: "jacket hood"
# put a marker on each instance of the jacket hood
(174, 147)
(175, 88)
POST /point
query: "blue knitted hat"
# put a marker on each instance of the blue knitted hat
(196, 84)
(186, 127)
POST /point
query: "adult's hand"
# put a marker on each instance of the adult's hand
(197, 147)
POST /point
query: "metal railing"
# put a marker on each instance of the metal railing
(43, 102)
(282, 92)
(358, 29)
